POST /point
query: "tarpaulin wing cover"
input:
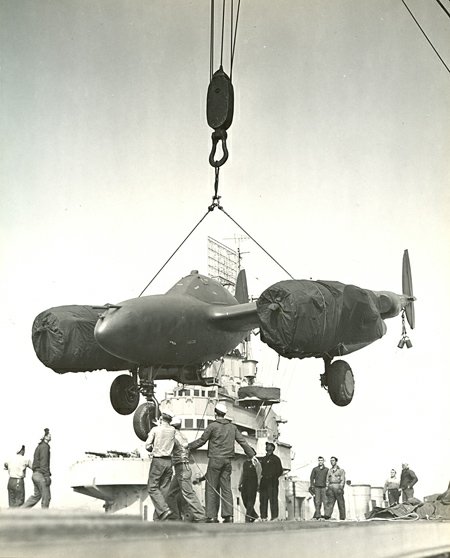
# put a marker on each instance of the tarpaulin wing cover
(300, 318)
(63, 339)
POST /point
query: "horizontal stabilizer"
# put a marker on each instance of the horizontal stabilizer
(237, 317)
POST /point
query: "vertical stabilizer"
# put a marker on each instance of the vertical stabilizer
(241, 292)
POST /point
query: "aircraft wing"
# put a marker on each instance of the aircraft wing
(237, 317)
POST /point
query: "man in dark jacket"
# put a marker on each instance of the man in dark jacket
(408, 479)
(248, 487)
(318, 486)
(220, 435)
(41, 473)
(271, 471)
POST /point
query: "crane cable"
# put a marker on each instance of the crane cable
(219, 117)
(425, 35)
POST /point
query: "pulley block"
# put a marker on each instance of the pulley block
(220, 101)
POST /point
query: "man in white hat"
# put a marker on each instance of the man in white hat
(16, 467)
(220, 435)
(160, 442)
(181, 483)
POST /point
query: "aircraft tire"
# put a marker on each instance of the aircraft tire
(341, 383)
(143, 418)
(124, 395)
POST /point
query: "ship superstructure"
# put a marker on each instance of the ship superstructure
(120, 478)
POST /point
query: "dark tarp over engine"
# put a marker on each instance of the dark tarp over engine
(300, 318)
(63, 339)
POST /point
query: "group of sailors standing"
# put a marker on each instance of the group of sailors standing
(327, 486)
(170, 483)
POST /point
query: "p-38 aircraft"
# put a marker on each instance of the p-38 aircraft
(178, 335)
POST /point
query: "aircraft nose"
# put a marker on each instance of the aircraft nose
(114, 330)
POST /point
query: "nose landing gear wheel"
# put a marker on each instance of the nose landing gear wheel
(124, 394)
(144, 419)
(341, 383)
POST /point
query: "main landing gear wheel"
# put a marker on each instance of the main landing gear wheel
(340, 381)
(144, 419)
(124, 394)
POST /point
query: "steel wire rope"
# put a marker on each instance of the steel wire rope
(233, 47)
(211, 43)
(173, 253)
(443, 7)
(426, 36)
(255, 241)
(223, 31)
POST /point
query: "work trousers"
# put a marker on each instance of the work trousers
(320, 498)
(268, 492)
(16, 492)
(159, 478)
(218, 487)
(182, 484)
(393, 496)
(248, 494)
(41, 490)
(335, 493)
(407, 493)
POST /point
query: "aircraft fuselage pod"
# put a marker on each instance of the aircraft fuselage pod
(196, 321)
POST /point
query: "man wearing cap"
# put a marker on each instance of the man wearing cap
(16, 468)
(160, 442)
(181, 483)
(220, 435)
(271, 471)
(41, 473)
(335, 489)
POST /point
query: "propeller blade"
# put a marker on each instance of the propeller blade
(407, 288)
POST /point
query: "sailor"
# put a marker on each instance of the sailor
(181, 483)
(160, 443)
(391, 488)
(248, 486)
(317, 486)
(41, 473)
(17, 467)
(272, 470)
(335, 489)
(220, 435)
(408, 479)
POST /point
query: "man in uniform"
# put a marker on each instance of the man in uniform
(248, 486)
(16, 467)
(335, 489)
(220, 435)
(160, 442)
(318, 486)
(271, 471)
(408, 479)
(41, 473)
(182, 480)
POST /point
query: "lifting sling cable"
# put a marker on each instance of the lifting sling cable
(255, 241)
(173, 253)
(425, 35)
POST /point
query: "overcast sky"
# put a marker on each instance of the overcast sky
(338, 162)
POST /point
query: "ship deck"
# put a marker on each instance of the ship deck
(51, 534)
